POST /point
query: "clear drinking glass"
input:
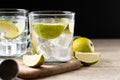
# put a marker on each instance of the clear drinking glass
(13, 32)
(51, 34)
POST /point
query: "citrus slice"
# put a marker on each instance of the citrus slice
(34, 42)
(21, 26)
(87, 58)
(82, 44)
(33, 60)
(67, 30)
(11, 31)
(49, 31)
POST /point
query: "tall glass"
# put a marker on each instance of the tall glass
(13, 32)
(51, 34)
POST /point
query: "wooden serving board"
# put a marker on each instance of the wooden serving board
(45, 70)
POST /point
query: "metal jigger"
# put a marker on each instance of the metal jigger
(8, 69)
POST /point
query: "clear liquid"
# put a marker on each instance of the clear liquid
(54, 50)
(14, 47)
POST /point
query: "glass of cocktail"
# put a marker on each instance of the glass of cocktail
(13, 32)
(51, 34)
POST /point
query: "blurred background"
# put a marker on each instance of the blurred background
(94, 18)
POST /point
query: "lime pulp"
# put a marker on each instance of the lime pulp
(49, 31)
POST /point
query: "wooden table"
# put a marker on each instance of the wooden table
(108, 68)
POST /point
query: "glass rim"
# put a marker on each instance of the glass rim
(52, 12)
(13, 10)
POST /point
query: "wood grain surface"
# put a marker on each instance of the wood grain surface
(108, 67)
(26, 72)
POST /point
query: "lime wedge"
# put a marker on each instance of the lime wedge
(67, 30)
(11, 31)
(33, 60)
(34, 42)
(49, 31)
(21, 26)
(87, 58)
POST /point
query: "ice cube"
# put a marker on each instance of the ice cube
(47, 49)
(54, 52)
(2, 49)
(62, 53)
(64, 40)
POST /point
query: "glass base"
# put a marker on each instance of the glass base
(55, 61)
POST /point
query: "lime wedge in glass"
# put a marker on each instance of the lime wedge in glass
(49, 31)
(21, 26)
(87, 58)
(9, 28)
(34, 42)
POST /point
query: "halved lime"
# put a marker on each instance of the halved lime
(88, 58)
(49, 31)
(33, 60)
(9, 28)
